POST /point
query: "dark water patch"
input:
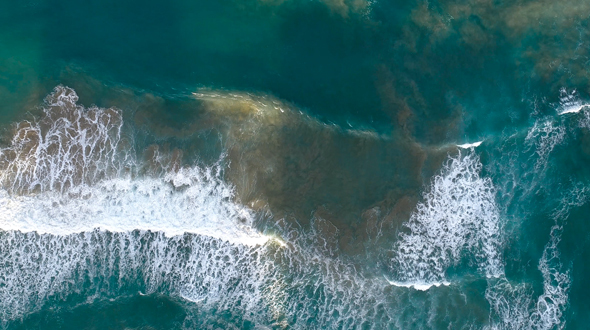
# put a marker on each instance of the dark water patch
(438, 71)
(134, 312)
(576, 242)
(302, 52)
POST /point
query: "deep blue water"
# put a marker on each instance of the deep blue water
(283, 164)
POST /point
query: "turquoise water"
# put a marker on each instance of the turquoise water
(283, 164)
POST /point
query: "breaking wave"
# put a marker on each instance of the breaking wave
(84, 218)
(74, 170)
(458, 218)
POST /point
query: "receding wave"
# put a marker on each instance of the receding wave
(516, 304)
(513, 305)
(458, 218)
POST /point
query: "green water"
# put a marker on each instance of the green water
(283, 164)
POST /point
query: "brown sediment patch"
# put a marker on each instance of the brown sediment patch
(560, 30)
(91, 90)
(513, 19)
(555, 29)
(475, 36)
(401, 211)
(438, 24)
(168, 118)
(174, 117)
(542, 44)
(387, 86)
(326, 234)
(300, 169)
(436, 157)
(380, 223)
(342, 8)
(402, 98)
(162, 159)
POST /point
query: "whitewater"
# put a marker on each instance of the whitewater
(85, 218)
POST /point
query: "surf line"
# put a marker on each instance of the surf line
(420, 286)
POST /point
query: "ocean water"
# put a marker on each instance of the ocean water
(290, 164)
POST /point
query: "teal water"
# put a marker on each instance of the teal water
(283, 164)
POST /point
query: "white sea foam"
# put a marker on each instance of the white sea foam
(458, 218)
(192, 200)
(102, 264)
(544, 136)
(574, 109)
(418, 286)
(68, 147)
(585, 120)
(556, 284)
(72, 171)
(266, 284)
(514, 306)
(570, 102)
(470, 145)
(179, 232)
(80, 220)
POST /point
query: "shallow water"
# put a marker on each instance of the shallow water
(282, 164)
